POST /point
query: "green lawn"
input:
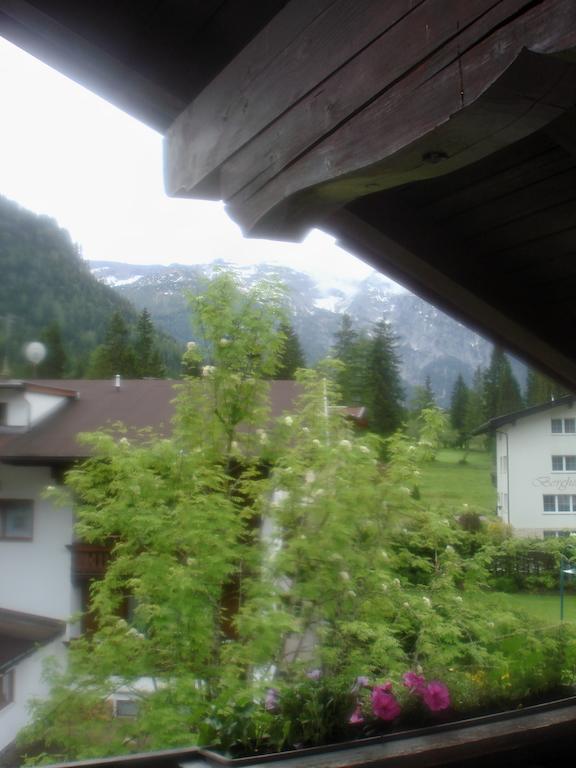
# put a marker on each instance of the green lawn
(545, 608)
(448, 483)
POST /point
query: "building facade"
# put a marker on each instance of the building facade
(536, 469)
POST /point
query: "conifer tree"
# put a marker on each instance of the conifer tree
(384, 388)
(292, 356)
(501, 390)
(459, 403)
(55, 363)
(423, 397)
(475, 414)
(541, 389)
(148, 361)
(351, 349)
(116, 354)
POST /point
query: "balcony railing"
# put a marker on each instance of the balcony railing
(89, 560)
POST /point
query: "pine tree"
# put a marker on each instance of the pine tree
(384, 388)
(459, 403)
(422, 397)
(292, 356)
(148, 361)
(501, 390)
(55, 363)
(475, 414)
(115, 355)
(351, 348)
(541, 389)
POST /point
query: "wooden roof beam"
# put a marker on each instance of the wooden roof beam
(365, 96)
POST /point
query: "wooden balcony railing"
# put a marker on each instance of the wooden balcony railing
(89, 560)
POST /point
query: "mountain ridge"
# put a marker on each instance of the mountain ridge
(430, 343)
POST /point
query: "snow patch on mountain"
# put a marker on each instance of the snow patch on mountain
(429, 342)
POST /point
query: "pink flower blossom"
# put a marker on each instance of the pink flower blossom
(415, 683)
(436, 696)
(356, 717)
(314, 674)
(384, 704)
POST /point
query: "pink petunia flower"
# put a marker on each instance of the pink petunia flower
(415, 683)
(356, 717)
(436, 696)
(384, 704)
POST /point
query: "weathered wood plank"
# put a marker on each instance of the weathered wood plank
(346, 161)
(468, 191)
(412, 52)
(517, 259)
(524, 201)
(301, 48)
(526, 229)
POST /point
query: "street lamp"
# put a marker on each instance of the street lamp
(570, 570)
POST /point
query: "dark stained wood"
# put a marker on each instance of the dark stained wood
(274, 73)
(414, 75)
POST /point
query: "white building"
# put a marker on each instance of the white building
(536, 468)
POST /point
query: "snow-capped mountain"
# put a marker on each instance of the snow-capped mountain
(430, 343)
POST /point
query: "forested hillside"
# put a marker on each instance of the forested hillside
(45, 286)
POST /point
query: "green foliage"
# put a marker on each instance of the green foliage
(531, 565)
(116, 354)
(48, 293)
(255, 552)
(351, 349)
(55, 365)
(459, 403)
(147, 356)
(501, 391)
(292, 356)
(384, 389)
(541, 389)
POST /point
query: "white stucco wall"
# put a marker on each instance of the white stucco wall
(17, 408)
(42, 405)
(28, 684)
(529, 445)
(35, 575)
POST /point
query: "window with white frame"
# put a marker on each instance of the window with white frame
(6, 688)
(563, 426)
(563, 463)
(16, 519)
(559, 503)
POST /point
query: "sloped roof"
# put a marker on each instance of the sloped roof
(22, 633)
(138, 403)
(510, 418)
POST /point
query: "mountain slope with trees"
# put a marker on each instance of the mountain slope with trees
(48, 293)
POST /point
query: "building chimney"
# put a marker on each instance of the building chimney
(117, 382)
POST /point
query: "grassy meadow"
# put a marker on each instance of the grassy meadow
(449, 483)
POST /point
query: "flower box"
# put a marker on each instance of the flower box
(546, 727)
(431, 746)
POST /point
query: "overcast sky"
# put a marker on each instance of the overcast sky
(68, 153)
